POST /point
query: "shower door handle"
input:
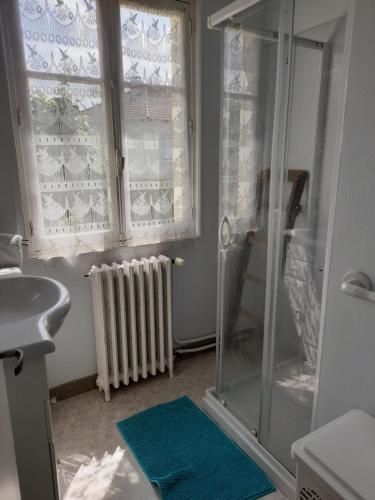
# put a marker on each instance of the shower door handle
(225, 238)
(358, 284)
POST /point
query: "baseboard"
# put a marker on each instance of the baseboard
(73, 388)
(85, 384)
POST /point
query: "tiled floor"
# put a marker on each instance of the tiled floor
(93, 461)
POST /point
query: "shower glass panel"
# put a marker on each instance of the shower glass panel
(254, 81)
(299, 243)
(283, 87)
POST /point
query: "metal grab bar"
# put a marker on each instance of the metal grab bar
(358, 284)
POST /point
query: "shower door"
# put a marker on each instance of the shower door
(256, 52)
(297, 257)
(283, 89)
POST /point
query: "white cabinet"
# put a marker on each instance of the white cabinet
(9, 483)
(32, 429)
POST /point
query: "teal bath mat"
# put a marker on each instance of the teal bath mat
(182, 451)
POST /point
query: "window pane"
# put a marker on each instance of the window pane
(154, 122)
(152, 46)
(66, 145)
(61, 37)
(68, 131)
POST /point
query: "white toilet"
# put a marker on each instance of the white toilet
(337, 461)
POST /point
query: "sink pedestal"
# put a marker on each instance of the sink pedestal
(32, 309)
(29, 409)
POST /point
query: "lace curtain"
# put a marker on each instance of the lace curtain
(68, 154)
(240, 148)
(67, 136)
(155, 123)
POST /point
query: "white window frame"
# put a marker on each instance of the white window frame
(109, 25)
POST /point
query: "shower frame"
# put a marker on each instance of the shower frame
(245, 437)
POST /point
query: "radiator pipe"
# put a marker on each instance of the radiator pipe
(177, 261)
(187, 350)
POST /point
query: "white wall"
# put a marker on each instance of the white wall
(310, 13)
(347, 377)
(194, 284)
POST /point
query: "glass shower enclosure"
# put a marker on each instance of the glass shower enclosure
(281, 85)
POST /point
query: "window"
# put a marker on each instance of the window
(104, 106)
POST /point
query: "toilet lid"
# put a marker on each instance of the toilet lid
(342, 453)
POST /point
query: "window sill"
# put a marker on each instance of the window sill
(72, 252)
(141, 243)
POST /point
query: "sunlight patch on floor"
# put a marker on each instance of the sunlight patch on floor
(93, 479)
(304, 383)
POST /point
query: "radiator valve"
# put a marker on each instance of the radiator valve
(178, 261)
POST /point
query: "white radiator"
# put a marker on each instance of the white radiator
(132, 305)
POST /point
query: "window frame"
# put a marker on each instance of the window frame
(111, 66)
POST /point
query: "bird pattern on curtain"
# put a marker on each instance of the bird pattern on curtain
(155, 121)
(69, 133)
(61, 41)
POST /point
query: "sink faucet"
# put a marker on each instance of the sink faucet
(10, 252)
(17, 240)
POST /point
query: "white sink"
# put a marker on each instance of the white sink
(32, 309)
